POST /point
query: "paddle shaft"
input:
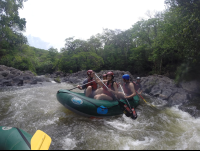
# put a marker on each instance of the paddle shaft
(105, 85)
(144, 99)
(82, 85)
(126, 99)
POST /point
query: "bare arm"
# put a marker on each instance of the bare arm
(139, 91)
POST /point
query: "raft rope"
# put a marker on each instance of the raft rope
(27, 142)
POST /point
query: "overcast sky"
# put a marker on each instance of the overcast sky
(50, 22)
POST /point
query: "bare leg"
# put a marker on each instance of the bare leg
(120, 95)
(88, 91)
(98, 91)
(96, 97)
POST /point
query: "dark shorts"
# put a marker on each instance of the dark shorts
(113, 97)
(131, 99)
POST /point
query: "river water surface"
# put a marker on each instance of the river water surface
(36, 108)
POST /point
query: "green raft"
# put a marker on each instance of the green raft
(80, 104)
(14, 139)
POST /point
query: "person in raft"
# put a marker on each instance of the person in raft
(128, 88)
(90, 88)
(107, 94)
(104, 79)
(138, 86)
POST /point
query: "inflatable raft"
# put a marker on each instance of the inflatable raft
(80, 104)
(14, 139)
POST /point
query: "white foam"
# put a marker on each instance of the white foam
(120, 126)
(69, 143)
(53, 82)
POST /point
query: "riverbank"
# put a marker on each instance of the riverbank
(185, 95)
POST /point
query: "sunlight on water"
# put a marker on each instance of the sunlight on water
(37, 108)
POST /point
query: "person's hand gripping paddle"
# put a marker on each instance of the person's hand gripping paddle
(132, 111)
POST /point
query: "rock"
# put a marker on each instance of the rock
(6, 83)
(34, 81)
(10, 76)
(16, 72)
(27, 77)
(166, 93)
(4, 73)
(177, 99)
(18, 81)
(190, 109)
(41, 79)
(155, 90)
(28, 73)
(1, 77)
(192, 86)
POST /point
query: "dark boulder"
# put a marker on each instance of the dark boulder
(4, 73)
(34, 81)
(6, 83)
(18, 81)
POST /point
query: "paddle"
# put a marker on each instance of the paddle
(40, 141)
(82, 85)
(145, 100)
(135, 115)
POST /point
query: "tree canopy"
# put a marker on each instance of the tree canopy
(166, 43)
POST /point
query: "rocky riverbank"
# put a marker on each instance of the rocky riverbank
(13, 77)
(185, 94)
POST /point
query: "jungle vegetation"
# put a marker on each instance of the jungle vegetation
(166, 43)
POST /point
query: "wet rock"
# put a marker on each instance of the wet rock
(34, 81)
(6, 83)
(155, 91)
(13, 77)
(4, 73)
(42, 79)
(192, 86)
(1, 77)
(28, 73)
(177, 99)
(18, 81)
(166, 93)
(190, 109)
(10, 76)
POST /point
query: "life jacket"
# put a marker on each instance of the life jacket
(126, 89)
(110, 86)
(136, 86)
(92, 84)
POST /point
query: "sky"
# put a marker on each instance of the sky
(50, 22)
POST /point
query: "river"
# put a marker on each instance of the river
(160, 128)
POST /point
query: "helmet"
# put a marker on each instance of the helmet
(110, 73)
(104, 75)
(89, 72)
(126, 76)
(138, 78)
